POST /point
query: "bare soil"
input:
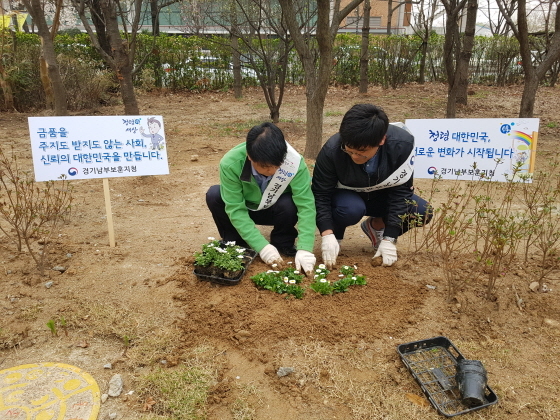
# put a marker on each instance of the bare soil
(342, 347)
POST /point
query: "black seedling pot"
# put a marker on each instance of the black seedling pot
(471, 379)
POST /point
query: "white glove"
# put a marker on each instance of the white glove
(387, 250)
(270, 255)
(330, 248)
(305, 261)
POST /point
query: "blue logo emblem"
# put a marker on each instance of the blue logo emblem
(505, 128)
(432, 170)
(72, 171)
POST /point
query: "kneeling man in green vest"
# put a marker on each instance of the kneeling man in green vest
(265, 181)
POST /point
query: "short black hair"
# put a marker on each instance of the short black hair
(266, 145)
(363, 126)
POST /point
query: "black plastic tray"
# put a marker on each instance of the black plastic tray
(225, 281)
(432, 363)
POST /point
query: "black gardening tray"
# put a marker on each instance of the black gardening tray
(249, 253)
(432, 363)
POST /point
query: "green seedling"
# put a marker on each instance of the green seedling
(126, 342)
(62, 322)
(52, 326)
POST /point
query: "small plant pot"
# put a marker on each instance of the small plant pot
(208, 271)
(217, 275)
(232, 274)
(471, 379)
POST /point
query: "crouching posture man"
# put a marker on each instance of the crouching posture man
(265, 181)
(366, 169)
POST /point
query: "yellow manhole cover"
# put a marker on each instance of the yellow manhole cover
(48, 391)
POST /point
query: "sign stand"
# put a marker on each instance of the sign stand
(98, 147)
(107, 194)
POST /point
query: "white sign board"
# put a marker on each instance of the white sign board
(467, 149)
(97, 147)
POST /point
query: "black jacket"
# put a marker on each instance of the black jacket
(333, 166)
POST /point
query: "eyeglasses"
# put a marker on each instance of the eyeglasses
(356, 154)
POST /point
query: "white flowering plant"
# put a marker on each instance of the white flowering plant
(226, 256)
(281, 281)
(289, 281)
(347, 278)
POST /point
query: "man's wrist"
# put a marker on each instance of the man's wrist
(327, 232)
(390, 239)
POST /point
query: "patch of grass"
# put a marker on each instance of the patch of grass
(106, 320)
(8, 338)
(236, 128)
(292, 120)
(181, 393)
(30, 313)
(242, 408)
(158, 345)
(333, 113)
(261, 105)
(551, 125)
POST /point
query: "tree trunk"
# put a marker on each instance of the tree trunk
(450, 68)
(7, 90)
(237, 79)
(316, 78)
(314, 124)
(122, 62)
(466, 53)
(422, 70)
(364, 49)
(98, 22)
(452, 52)
(154, 14)
(533, 76)
(530, 86)
(45, 81)
(389, 16)
(50, 74)
(124, 74)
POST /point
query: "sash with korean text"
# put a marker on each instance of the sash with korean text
(400, 176)
(281, 179)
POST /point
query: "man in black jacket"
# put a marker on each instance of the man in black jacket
(366, 169)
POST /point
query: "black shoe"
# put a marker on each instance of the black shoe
(288, 252)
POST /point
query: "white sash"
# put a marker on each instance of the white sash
(281, 179)
(400, 176)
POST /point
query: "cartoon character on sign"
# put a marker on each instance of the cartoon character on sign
(154, 125)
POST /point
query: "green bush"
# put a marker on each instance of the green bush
(199, 63)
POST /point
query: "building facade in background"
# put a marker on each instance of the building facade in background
(400, 20)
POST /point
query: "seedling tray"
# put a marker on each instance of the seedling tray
(249, 253)
(433, 363)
